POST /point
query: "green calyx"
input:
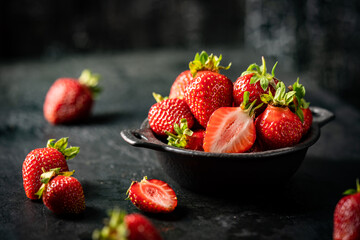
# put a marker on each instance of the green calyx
(353, 191)
(180, 139)
(260, 74)
(61, 145)
(115, 227)
(203, 61)
(281, 98)
(158, 97)
(299, 102)
(91, 80)
(248, 107)
(47, 176)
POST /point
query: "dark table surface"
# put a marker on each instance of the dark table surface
(106, 164)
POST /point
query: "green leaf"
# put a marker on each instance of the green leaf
(264, 83)
(61, 144)
(300, 114)
(273, 69)
(266, 98)
(350, 192)
(50, 143)
(254, 79)
(71, 152)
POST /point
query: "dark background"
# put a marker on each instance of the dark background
(317, 38)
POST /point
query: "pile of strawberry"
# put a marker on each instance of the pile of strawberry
(206, 111)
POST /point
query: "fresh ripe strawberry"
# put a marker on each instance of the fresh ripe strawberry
(231, 129)
(347, 215)
(300, 107)
(208, 90)
(61, 193)
(256, 81)
(127, 226)
(308, 118)
(185, 138)
(163, 114)
(69, 100)
(152, 195)
(278, 126)
(180, 84)
(53, 156)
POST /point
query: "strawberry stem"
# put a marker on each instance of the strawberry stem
(180, 139)
(353, 191)
(61, 145)
(203, 61)
(158, 97)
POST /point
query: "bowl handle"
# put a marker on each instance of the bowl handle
(141, 138)
(321, 116)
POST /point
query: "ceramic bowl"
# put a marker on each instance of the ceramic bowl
(201, 170)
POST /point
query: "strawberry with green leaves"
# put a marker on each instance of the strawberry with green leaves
(208, 90)
(54, 155)
(300, 106)
(166, 112)
(152, 195)
(69, 100)
(278, 126)
(61, 193)
(256, 81)
(123, 226)
(186, 138)
(347, 215)
(231, 129)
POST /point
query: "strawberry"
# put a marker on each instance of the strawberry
(347, 215)
(69, 100)
(185, 138)
(127, 226)
(152, 195)
(300, 106)
(180, 84)
(256, 81)
(61, 193)
(208, 90)
(231, 129)
(163, 114)
(53, 156)
(278, 126)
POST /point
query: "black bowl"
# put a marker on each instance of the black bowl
(199, 170)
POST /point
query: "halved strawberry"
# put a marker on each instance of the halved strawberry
(231, 129)
(152, 195)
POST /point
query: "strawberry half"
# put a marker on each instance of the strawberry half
(208, 90)
(231, 129)
(128, 227)
(53, 156)
(278, 126)
(61, 193)
(185, 138)
(256, 81)
(166, 112)
(347, 215)
(69, 100)
(152, 195)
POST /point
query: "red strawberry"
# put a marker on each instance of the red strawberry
(69, 100)
(347, 215)
(300, 106)
(180, 84)
(127, 226)
(53, 156)
(163, 114)
(308, 118)
(152, 195)
(185, 138)
(208, 90)
(256, 81)
(231, 129)
(278, 126)
(61, 193)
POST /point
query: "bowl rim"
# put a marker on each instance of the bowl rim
(145, 137)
